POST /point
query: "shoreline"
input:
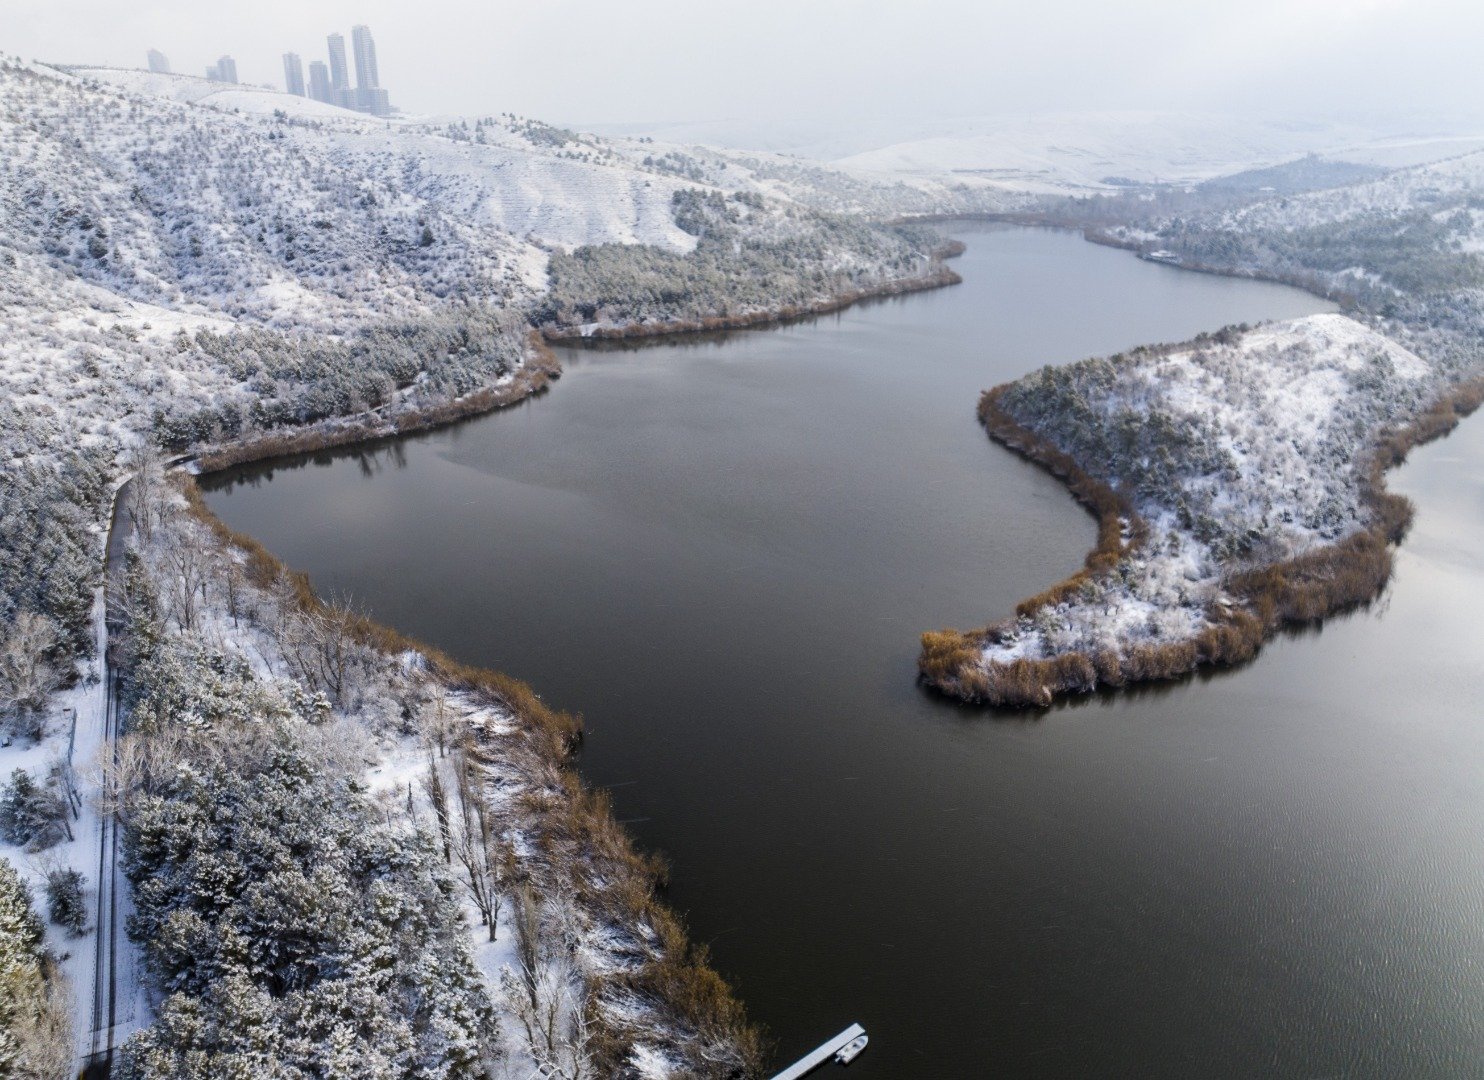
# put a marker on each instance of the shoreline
(1303, 590)
(534, 377)
(1094, 234)
(1313, 286)
(783, 316)
(559, 732)
(1120, 530)
(635, 879)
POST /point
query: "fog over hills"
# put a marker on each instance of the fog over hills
(1047, 152)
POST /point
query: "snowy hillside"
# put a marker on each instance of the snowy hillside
(203, 267)
(1441, 184)
(1412, 234)
(557, 187)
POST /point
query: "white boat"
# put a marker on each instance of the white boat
(851, 1050)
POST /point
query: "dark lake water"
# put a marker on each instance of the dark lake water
(722, 554)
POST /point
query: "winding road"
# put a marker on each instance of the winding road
(112, 1003)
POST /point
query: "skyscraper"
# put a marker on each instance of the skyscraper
(333, 85)
(319, 82)
(224, 70)
(158, 61)
(365, 51)
(339, 76)
(370, 97)
(293, 74)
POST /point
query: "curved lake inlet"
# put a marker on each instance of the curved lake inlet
(722, 553)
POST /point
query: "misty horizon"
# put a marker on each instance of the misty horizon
(1379, 63)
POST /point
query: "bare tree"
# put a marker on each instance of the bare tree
(27, 673)
(41, 1024)
(438, 720)
(321, 649)
(138, 763)
(233, 582)
(188, 564)
(144, 490)
(285, 604)
(548, 995)
(433, 784)
(474, 844)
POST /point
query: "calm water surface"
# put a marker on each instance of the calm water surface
(722, 554)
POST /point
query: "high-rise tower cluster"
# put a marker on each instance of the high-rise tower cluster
(331, 84)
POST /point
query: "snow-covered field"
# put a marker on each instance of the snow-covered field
(1062, 152)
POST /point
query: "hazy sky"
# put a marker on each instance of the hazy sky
(660, 60)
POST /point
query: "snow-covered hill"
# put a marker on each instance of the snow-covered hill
(1088, 150)
(189, 266)
(1432, 187)
(1238, 484)
(1412, 236)
(551, 186)
(174, 254)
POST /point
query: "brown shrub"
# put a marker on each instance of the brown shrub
(1109, 668)
(945, 654)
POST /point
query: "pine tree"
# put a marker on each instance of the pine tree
(31, 814)
(64, 902)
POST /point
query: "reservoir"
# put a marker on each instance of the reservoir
(722, 551)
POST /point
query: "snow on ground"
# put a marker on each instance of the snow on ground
(539, 197)
(1404, 152)
(86, 702)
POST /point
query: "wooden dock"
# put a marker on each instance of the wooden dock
(815, 1058)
